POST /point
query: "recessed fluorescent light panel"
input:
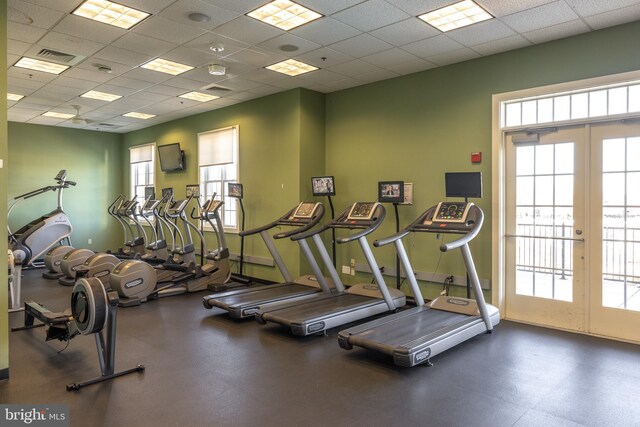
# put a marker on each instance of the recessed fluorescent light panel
(166, 66)
(199, 96)
(44, 66)
(291, 67)
(58, 115)
(93, 94)
(14, 97)
(110, 13)
(456, 15)
(284, 14)
(142, 116)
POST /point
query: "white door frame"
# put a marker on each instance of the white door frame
(498, 203)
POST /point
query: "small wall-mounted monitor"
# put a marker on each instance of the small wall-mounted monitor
(171, 157)
(167, 193)
(463, 184)
(149, 192)
(391, 191)
(323, 186)
(234, 189)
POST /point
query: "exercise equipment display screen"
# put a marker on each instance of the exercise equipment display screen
(212, 205)
(305, 210)
(178, 205)
(391, 191)
(362, 210)
(323, 186)
(452, 212)
(234, 190)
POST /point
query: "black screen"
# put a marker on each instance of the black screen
(463, 184)
(170, 157)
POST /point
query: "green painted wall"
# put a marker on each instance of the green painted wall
(414, 128)
(91, 158)
(4, 296)
(269, 164)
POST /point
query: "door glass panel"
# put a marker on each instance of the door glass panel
(620, 225)
(544, 215)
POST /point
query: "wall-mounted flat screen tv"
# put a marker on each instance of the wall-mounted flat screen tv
(171, 157)
(463, 184)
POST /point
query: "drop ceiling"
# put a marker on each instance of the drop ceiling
(354, 43)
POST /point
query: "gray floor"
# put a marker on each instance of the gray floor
(204, 369)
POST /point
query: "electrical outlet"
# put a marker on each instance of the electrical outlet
(346, 269)
(353, 266)
(90, 241)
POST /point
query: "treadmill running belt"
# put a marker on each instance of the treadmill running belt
(268, 294)
(323, 307)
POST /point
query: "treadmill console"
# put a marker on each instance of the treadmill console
(451, 212)
(362, 211)
(212, 205)
(305, 210)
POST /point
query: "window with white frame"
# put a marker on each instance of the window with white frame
(219, 165)
(142, 167)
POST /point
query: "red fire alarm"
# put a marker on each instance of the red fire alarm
(476, 157)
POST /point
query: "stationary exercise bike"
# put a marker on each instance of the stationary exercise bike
(92, 310)
(36, 237)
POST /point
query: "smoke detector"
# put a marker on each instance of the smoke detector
(217, 69)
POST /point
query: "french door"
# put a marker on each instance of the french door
(573, 229)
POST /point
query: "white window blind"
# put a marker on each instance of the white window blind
(141, 153)
(216, 147)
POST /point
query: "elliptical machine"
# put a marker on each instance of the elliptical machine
(122, 210)
(52, 260)
(36, 237)
(218, 257)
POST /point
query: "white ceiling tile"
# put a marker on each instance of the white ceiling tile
(23, 73)
(361, 45)
(237, 83)
(243, 95)
(459, 55)
(324, 57)
(540, 17)
(115, 90)
(158, 109)
(24, 33)
(192, 57)
(407, 31)
(183, 83)
(89, 29)
(164, 29)
(247, 30)
(419, 7)
(23, 82)
(264, 90)
(389, 58)
(377, 76)
(19, 90)
(62, 5)
(565, 29)
(354, 68)
(325, 31)
(205, 41)
(90, 75)
(370, 15)
(240, 6)
(275, 44)
(166, 90)
(594, 7)
(93, 64)
(41, 103)
(502, 45)
(322, 76)
(255, 57)
(328, 7)
(202, 75)
(481, 32)
(122, 56)
(344, 84)
(126, 105)
(97, 115)
(148, 97)
(12, 59)
(69, 44)
(149, 6)
(179, 11)
(47, 121)
(16, 47)
(143, 44)
(31, 14)
(53, 90)
(432, 46)
(130, 83)
(75, 83)
(500, 8)
(264, 76)
(412, 67)
(614, 17)
(19, 114)
(146, 75)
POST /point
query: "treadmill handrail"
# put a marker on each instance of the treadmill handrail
(267, 226)
(370, 229)
(319, 213)
(467, 237)
(391, 239)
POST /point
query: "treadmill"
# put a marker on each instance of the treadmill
(241, 303)
(324, 311)
(415, 335)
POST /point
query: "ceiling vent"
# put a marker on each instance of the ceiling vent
(215, 88)
(55, 56)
